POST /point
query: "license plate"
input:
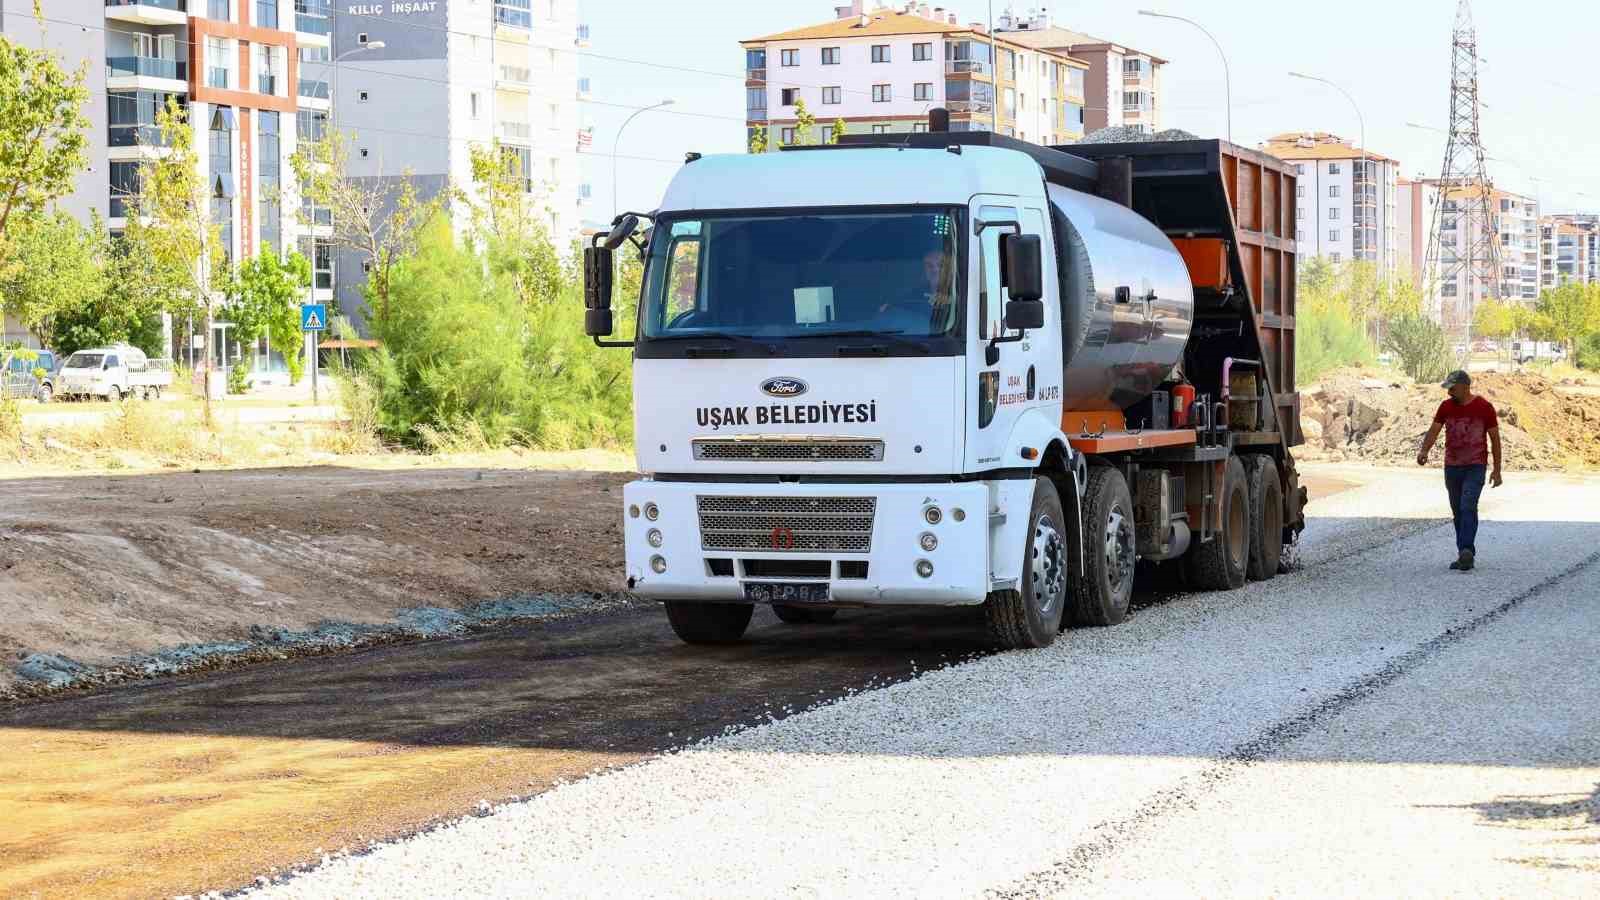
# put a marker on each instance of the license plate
(786, 592)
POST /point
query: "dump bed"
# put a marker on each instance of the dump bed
(1230, 211)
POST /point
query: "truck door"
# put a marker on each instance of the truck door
(1025, 373)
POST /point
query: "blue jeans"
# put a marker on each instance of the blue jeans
(1465, 485)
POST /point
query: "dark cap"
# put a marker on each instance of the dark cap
(1455, 378)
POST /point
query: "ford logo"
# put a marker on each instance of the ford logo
(783, 387)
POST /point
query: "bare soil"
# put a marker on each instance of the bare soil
(96, 567)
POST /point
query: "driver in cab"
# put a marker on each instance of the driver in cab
(928, 305)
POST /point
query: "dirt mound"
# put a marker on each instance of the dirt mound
(1370, 415)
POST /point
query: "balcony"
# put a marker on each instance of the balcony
(123, 72)
(149, 12)
(582, 39)
(313, 20)
(967, 67)
(135, 136)
(755, 76)
(583, 89)
(267, 84)
(516, 131)
(969, 106)
(517, 78)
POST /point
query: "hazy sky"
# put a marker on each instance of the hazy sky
(1540, 80)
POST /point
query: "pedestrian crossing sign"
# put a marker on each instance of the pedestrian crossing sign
(313, 317)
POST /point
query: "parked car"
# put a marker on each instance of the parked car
(1543, 351)
(21, 378)
(112, 373)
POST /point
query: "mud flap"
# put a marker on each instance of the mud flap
(1072, 508)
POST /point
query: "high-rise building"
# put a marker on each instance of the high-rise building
(881, 70)
(231, 64)
(1122, 85)
(1569, 249)
(1346, 203)
(1514, 226)
(415, 86)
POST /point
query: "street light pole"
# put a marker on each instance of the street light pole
(1353, 105)
(1227, 78)
(616, 144)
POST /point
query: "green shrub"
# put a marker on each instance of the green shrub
(1420, 345)
(1329, 337)
(1588, 355)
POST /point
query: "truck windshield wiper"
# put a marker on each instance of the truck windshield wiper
(716, 336)
(893, 337)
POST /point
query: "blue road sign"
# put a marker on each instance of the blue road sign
(313, 317)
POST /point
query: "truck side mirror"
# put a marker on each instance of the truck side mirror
(1021, 267)
(620, 231)
(1023, 315)
(597, 272)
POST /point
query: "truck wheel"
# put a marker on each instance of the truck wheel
(1266, 517)
(1101, 596)
(709, 623)
(115, 394)
(803, 615)
(1031, 615)
(1219, 564)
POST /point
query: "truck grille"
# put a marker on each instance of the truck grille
(788, 450)
(787, 524)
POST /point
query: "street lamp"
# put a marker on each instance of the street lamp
(334, 65)
(1359, 118)
(1227, 80)
(617, 143)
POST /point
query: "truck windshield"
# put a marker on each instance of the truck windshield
(85, 360)
(822, 275)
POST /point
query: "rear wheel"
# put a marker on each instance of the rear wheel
(1031, 615)
(114, 394)
(1219, 564)
(1102, 594)
(1266, 517)
(803, 615)
(709, 623)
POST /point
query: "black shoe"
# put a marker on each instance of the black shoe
(1455, 564)
(1465, 562)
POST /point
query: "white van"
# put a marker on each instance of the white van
(112, 373)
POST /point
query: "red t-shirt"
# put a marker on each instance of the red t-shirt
(1466, 429)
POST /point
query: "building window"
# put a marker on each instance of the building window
(266, 14)
(473, 104)
(880, 53)
(1333, 235)
(1300, 212)
(516, 13)
(362, 97)
(311, 125)
(124, 187)
(789, 58)
(921, 52)
(1335, 256)
(270, 168)
(830, 95)
(755, 59)
(755, 102)
(1333, 168)
(790, 95)
(219, 69)
(220, 187)
(1333, 190)
(267, 76)
(787, 136)
(1333, 214)
(880, 129)
(218, 9)
(1300, 234)
(922, 90)
(830, 56)
(881, 93)
(827, 134)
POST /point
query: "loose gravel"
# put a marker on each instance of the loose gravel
(1031, 772)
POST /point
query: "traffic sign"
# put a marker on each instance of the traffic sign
(313, 317)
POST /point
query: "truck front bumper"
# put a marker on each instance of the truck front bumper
(715, 538)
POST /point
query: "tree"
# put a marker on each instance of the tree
(264, 300)
(42, 138)
(758, 139)
(504, 222)
(804, 124)
(381, 219)
(1420, 344)
(1495, 320)
(838, 130)
(1572, 311)
(58, 266)
(171, 229)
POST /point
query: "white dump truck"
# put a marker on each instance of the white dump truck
(956, 369)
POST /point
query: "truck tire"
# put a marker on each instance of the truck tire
(803, 615)
(1219, 564)
(1031, 615)
(114, 394)
(1102, 594)
(708, 623)
(1266, 517)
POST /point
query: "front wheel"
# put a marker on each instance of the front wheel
(1030, 616)
(114, 394)
(803, 615)
(708, 623)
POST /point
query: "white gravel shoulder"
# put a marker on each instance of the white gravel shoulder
(1052, 770)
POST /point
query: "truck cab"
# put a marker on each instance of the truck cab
(854, 375)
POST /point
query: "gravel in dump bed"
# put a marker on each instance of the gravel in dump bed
(1125, 134)
(972, 777)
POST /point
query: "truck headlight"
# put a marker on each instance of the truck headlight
(928, 541)
(924, 568)
(933, 515)
(654, 537)
(658, 564)
(652, 512)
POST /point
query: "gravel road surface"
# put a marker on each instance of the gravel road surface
(1372, 724)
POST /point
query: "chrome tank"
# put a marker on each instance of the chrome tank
(1114, 353)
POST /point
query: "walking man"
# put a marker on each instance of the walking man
(1472, 428)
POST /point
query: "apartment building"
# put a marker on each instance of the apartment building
(1122, 84)
(415, 86)
(1347, 199)
(1569, 249)
(1514, 225)
(1417, 199)
(231, 64)
(882, 69)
